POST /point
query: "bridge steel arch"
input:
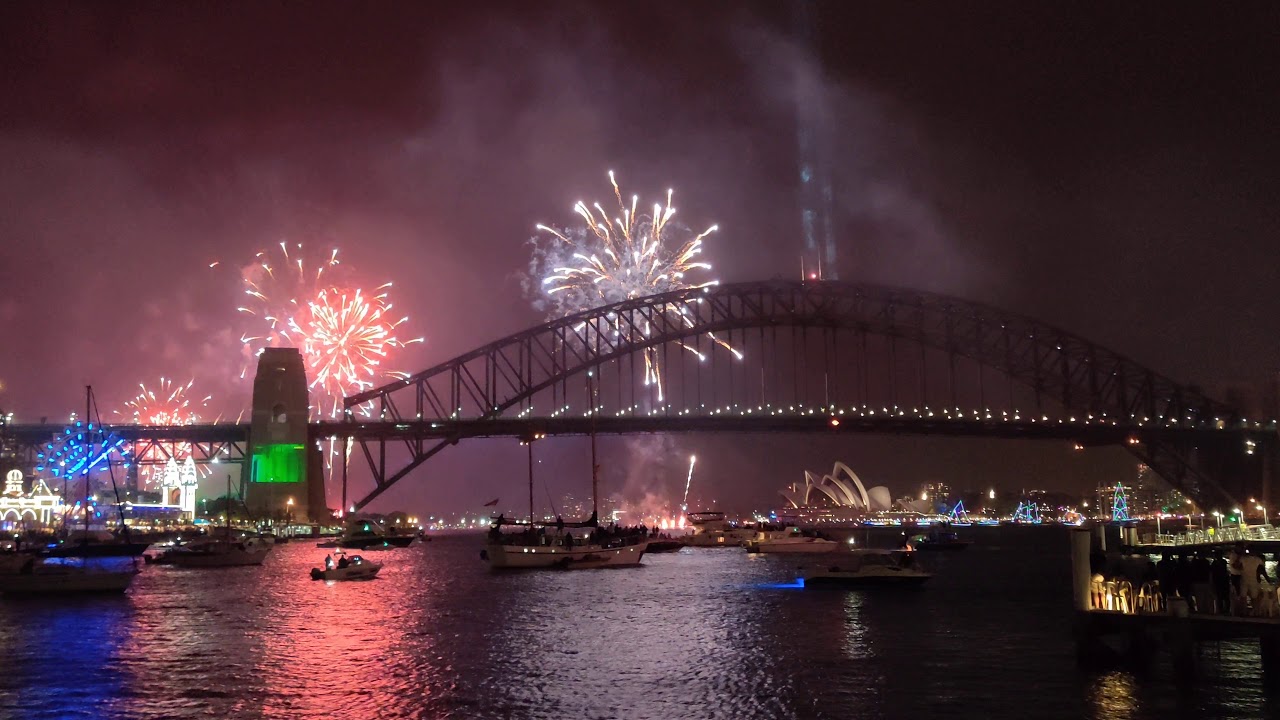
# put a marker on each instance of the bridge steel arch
(1189, 439)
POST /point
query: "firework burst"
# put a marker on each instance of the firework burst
(606, 260)
(168, 403)
(280, 285)
(345, 335)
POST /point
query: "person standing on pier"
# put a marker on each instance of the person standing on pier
(1201, 583)
(1221, 575)
(1234, 565)
(1252, 572)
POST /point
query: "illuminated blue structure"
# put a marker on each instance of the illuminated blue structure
(73, 453)
(1119, 504)
(1027, 512)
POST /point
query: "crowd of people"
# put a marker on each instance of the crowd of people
(1209, 581)
(560, 535)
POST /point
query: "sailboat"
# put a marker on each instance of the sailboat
(226, 548)
(81, 567)
(554, 546)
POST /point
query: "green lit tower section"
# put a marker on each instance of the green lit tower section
(284, 478)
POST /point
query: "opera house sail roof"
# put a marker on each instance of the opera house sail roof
(840, 489)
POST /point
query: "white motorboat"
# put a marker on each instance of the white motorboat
(346, 567)
(40, 577)
(710, 529)
(790, 541)
(867, 568)
(220, 552)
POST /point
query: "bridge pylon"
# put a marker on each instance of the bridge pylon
(284, 475)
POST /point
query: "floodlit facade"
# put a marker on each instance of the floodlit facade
(840, 489)
(40, 507)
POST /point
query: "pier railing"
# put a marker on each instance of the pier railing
(1217, 536)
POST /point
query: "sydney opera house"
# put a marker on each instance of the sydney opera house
(841, 493)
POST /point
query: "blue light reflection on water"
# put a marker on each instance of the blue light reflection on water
(797, 584)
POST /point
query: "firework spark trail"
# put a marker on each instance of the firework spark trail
(281, 285)
(345, 336)
(609, 260)
(168, 404)
(684, 504)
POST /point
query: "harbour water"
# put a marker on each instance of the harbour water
(699, 634)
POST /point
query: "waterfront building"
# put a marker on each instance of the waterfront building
(38, 507)
(840, 489)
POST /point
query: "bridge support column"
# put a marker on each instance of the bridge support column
(284, 471)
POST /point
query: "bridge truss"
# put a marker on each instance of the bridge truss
(808, 356)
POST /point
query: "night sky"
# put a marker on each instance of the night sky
(1111, 170)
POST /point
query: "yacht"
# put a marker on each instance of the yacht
(791, 540)
(710, 529)
(95, 543)
(535, 547)
(224, 551)
(554, 546)
(41, 576)
(867, 568)
(372, 535)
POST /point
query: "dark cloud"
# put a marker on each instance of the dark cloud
(1106, 169)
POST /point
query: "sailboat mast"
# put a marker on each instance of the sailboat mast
(595, 468)
(88, 401)
(531, 482)
(228, 506)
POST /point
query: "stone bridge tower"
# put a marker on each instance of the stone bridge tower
(283, 465)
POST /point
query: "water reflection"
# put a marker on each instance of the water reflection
(702, 633)
(1112, 695)
(59, 656)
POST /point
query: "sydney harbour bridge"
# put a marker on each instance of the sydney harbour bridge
(800, 357)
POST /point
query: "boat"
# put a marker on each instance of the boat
(936, 540)
(555, 546)
(535, 548)
(40, 576)
(226, 551)
(665, 545)
(710, 529)
(86, 562)
(94, 543)
(226, 547)
(347, 567)
(867, 568)
(791, 540)
(371, 535)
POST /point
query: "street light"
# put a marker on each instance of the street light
(1218, 515)
(1239, 517)
(1265, 520)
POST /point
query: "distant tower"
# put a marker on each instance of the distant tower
(281, 466)
(813, 152)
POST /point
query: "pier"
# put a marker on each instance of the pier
(1121, 615)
